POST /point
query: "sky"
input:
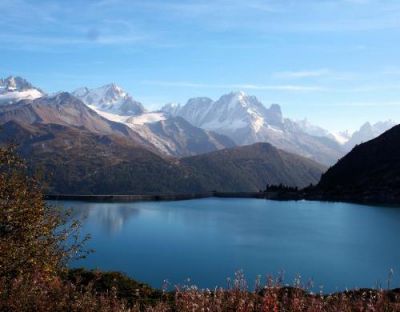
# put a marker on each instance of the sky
(334, 62)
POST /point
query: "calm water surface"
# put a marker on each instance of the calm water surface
(337, 245)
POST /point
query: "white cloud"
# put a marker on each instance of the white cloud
(115, 22)
(68, 40)
(369, 104)
(358, 1)
(301, 74)
(240, 86)
(270, 16)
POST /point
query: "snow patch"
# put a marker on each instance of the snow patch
(275, 129)
(108, 115)
(130, 120)
(30, 94)
(340, 137)
(146, 118)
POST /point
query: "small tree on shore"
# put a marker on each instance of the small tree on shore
(34, 237)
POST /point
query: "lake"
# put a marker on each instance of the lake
(337, 245)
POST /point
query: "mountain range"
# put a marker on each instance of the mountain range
(102, 140)
(174, 137)
(246, 120)
(80, 151)
(238, 116)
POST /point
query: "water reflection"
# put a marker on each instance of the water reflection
(111, 217)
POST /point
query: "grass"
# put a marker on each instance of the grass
(82, 290)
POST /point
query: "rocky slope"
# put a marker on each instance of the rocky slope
(179, 138)
(72, 160)
(66, 110)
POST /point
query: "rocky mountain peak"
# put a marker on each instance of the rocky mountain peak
(274, 115)
(81, 92)
(239, 95)
(14, 88)
(276, 109)
(15, 83)
(171, 108)
(110, 98)
(113, 90)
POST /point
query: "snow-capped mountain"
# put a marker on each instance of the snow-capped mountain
(170, 135)
(346, 138)
(311, 129)
(368, 132)
(230, 113)
(193, 111)
(201, 125)
(110, 98)
(246, 120)
(340, 137)
(13, 89)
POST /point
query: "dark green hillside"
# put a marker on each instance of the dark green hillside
(371, 171)
(250, 168)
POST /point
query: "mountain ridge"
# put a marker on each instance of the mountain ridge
(368, 131)
(369, 172)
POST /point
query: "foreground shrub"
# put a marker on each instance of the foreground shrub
(43, 294)
(33, 236)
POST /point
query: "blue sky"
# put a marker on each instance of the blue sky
(335, 62)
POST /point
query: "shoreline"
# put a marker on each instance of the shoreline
(154, 197)
(279, 196)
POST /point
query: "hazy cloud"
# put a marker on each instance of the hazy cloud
(240, 86)
(301, 74)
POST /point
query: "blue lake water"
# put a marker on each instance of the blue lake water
(337, 245)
